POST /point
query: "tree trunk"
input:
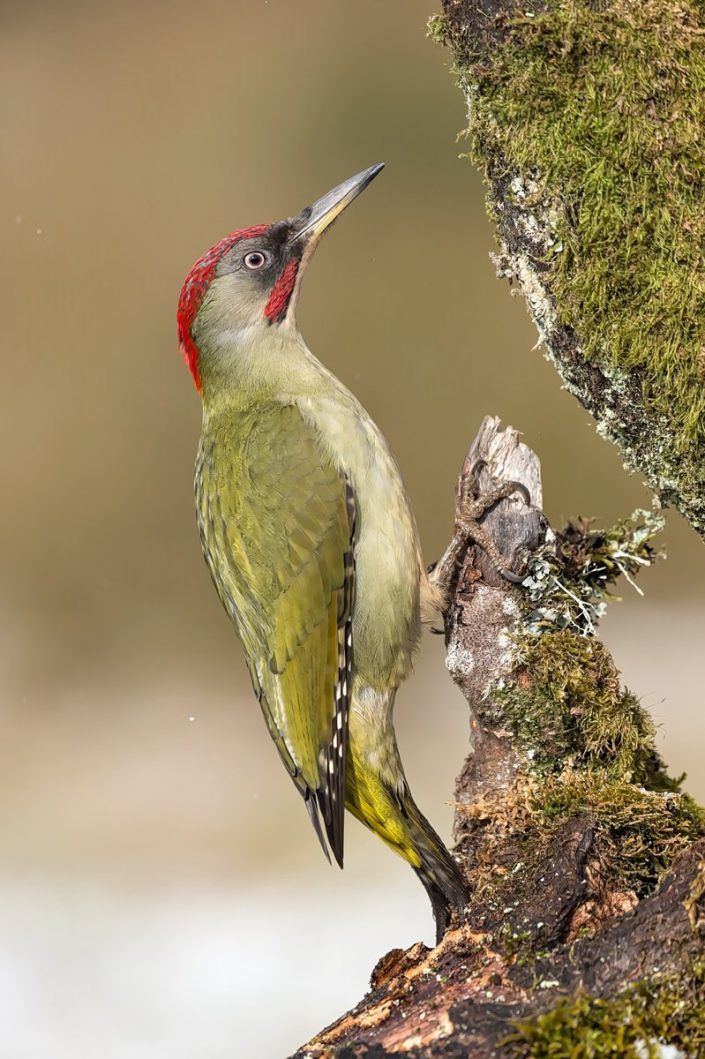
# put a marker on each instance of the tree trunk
(584, 934)
(586, 118)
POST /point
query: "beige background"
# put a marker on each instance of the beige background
(161, 892)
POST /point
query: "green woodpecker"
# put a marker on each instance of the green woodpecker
(309, 538)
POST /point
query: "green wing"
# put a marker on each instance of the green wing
(277, 522)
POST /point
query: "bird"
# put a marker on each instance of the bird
(310, 540)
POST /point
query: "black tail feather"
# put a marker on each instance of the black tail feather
(446, 897)
(441, 877)
(311, 803)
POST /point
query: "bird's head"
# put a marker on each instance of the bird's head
(249, 281)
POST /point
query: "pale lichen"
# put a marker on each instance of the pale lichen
(569, 584)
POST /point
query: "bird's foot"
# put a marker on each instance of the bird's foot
(471, 508)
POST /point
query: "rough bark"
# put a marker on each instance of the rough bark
(464, 999)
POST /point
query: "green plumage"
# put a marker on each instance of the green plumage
(276, 520)
(310, 541)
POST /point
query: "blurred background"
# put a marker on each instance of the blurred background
(161, 891)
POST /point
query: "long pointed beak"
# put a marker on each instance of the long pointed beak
(316, 218)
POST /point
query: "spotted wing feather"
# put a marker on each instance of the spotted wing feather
(277, 521)
(331, 796)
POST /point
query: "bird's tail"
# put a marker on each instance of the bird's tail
(439, 873)
(380, 798)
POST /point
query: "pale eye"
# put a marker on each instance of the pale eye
(254, 260)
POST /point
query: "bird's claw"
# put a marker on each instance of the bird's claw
(509, 575)
(472, 506)
(506, 487)
(470, 509)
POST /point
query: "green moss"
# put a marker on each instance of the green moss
(628, 1026)
(638, 832)
(564, 702)
(438, 30)
(596, 111)
(589, 749)
(695, 902)
(567, 709)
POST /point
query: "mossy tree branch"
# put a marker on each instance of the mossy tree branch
(586, 119)
(584, 935)
(584, 932)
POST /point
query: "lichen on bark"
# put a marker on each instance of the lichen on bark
(586, 119)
